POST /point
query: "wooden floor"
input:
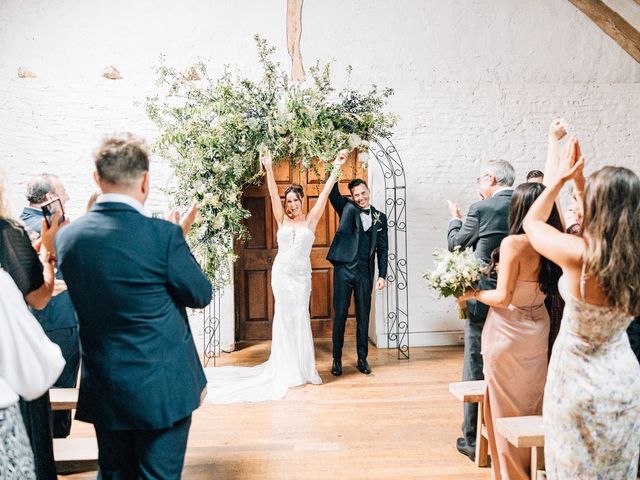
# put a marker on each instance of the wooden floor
(398, 423)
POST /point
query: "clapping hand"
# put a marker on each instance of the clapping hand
(186, 222)
(454, 210)
(572, 164)
(558, 129)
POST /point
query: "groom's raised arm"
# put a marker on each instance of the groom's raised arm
(337, 200)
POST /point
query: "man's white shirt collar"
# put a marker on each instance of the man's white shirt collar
(122, 198)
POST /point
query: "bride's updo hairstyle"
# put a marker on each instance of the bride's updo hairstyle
(296, 190)
(611, 229)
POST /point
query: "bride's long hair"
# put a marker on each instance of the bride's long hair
(611, 229)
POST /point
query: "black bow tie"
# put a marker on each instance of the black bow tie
(365, 210)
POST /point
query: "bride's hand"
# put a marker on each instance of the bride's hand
(266, 159)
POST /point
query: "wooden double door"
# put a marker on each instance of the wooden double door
(253, 296)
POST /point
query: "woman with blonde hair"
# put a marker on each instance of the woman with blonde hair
(591, 406)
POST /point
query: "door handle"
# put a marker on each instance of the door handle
(269, 260)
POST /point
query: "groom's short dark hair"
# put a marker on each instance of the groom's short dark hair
(355, 182)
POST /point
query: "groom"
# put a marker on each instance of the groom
(361, 235)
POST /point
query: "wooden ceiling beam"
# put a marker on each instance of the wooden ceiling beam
(611, 23)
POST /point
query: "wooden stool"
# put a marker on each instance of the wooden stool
(73, 455)
(63, 398)
(525, 432)
(473, 392)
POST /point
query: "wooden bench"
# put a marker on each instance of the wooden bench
(525, 432)
(74, 455)
(473, 392)
(63, 398)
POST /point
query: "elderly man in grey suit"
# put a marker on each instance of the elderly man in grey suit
(487, 223)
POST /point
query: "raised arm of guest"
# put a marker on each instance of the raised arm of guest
(510, 249)
(563, 249)
(313, 217)
(276, 203)
(557, 131)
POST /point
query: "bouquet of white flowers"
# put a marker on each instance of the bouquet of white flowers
(455, 272)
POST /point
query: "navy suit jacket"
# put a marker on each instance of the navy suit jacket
(130, 278)
(59, 312)
(344, 248)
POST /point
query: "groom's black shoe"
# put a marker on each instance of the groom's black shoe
(336, 369)
(363, 366)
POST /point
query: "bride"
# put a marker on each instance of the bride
(292, 359)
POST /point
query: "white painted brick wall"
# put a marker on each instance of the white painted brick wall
(474, 80)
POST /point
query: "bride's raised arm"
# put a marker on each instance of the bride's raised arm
(276, 203)
(313, 217)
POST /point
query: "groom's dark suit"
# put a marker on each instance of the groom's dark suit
(352, 254)
(130, 278)
(487, 223)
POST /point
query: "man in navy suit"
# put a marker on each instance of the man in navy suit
(130, 278)
(361, 236)
(487, 223)
(58, 319)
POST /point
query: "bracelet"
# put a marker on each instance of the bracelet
(49, 258)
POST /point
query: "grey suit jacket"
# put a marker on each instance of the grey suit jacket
(487, 223)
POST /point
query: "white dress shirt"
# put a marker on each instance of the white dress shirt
(29, 362)
(122, 198)
(366, 219)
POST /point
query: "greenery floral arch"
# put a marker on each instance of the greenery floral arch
(213, 130)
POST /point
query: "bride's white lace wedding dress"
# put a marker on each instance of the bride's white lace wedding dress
(292, 359)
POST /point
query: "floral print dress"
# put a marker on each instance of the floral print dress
(591, 405)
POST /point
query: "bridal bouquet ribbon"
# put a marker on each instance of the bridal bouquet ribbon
(454, 273)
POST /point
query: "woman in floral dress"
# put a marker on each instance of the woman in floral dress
(591, 405)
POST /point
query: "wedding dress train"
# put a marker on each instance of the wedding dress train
(292, 359)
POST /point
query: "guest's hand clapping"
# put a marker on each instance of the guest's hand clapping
(572, 164)
(187, 221)
(189, 218)
(454, 210)
(558, 129)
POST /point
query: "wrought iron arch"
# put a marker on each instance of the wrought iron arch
(395, 186)
(397, 304)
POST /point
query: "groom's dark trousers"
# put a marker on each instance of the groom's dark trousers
(347, 279)
(130, 278)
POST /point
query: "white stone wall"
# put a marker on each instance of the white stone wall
(474, 80)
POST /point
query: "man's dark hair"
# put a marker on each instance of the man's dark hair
(534, 174)
(39, 186)
(355, 182)
(121, 159)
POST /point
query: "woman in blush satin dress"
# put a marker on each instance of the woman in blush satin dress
(514, 337)
(292, 359)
